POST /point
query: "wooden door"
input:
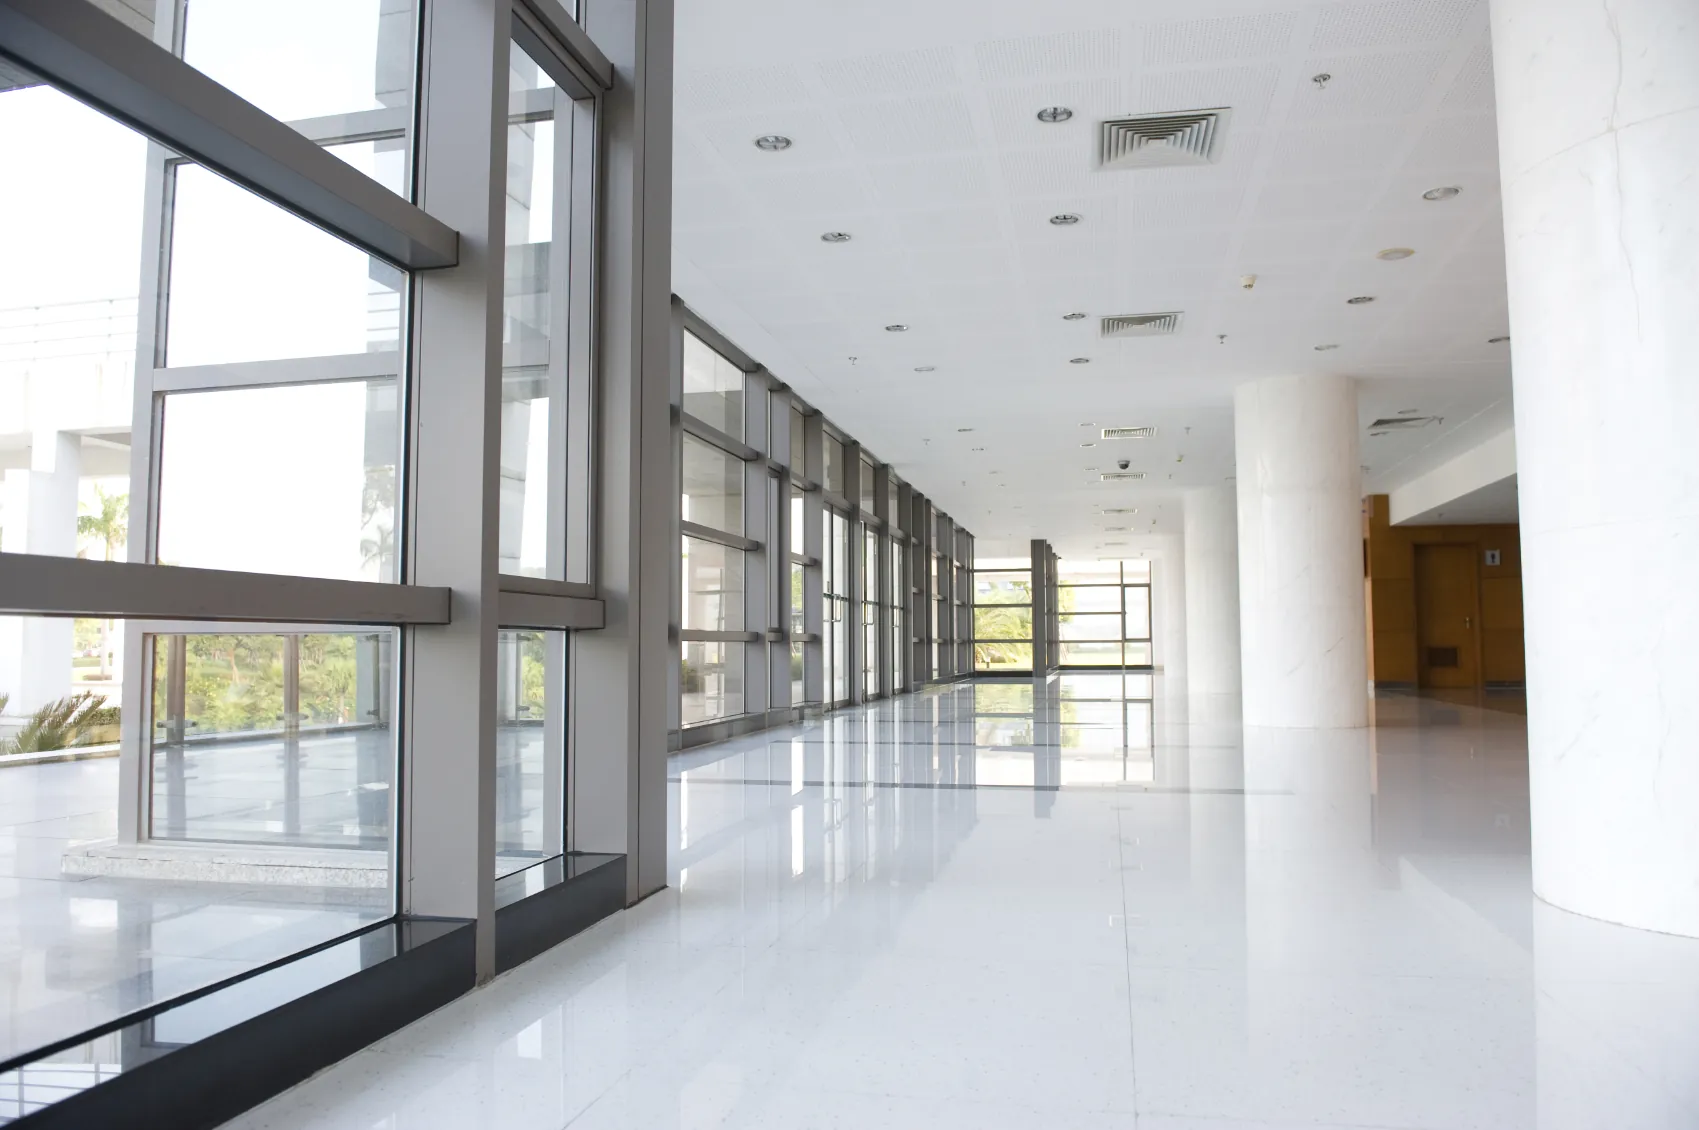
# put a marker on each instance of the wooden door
(1448, 616)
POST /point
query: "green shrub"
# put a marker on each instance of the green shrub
(75, 720)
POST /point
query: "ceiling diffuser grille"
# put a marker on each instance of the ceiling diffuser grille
(1154, 140)
(1122, 510)
(1402, 423)
(1120, 476)
(1128, 433)
(1142, 325)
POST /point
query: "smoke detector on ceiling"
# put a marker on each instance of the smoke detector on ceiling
(1129, 433)
(1155, 140)
(1142, 325)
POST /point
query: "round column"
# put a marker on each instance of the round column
(1301, 620)
(1212, 593)
(1598, 117)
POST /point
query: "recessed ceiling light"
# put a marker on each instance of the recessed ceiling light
(976, 448)
(1074, 317)
(1088, 424)
(964, 429)
(1360, 300)
(1050, 115)
(835, 237)
(1444, 192)
(1498, 340)
(1395, 253)
(924, 368)
(1408, 411)
(1088, 445)
(773, 143)
(1079, 360)
(896, 328)
(1064, 219)
(1325, 348)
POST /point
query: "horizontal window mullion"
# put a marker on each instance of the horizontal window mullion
(549, 612)
(358, 125)
(719, 537)
(708, 635)
(33, 585)
(708, 433)
(269, 374)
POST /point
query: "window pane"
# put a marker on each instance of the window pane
(713, 486)
(892, 510)
(1091, 627)
(276, 739)
(713, 387)
(530, 747)
(838, 550)
(72, 200)
(834, 462)
(298, 59)
(713, 587)
(710, 681)
(798, 540)
(298, 479)
(1138, 570)
(869, 650)
(1002, 657)
(1138, 654)
(798, 443)
(533, 386)
(1002, 588)
(870, 565)
(251, 282)
(797, 620)
(865, 486)
(796, 673)
(1095, 598)
(1011, 623)
(899, 648)
(1073, 653)
(1138, 612)
(1089, 572)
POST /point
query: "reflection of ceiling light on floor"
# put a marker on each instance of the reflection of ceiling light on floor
(1444, 192)
(835, 237)
(1392, 254)
(1051, 115)
(1065, 219)
(773, 143)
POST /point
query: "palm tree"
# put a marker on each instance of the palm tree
(109, 526)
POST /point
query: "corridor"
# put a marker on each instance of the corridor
(967, 908)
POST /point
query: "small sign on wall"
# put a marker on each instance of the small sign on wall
(1492, 557)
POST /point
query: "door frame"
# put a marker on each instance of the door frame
(1474, 548)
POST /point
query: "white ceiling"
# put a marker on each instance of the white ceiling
(1493, 503)
(915, 130)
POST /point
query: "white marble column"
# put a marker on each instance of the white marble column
(1212, 594)
(40, 506)
(1598, 115)
(1300, 553)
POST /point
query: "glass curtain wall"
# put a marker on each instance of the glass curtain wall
(1104, 613)
(194, 376)
(835, 610)
(712, 620)
(1002, 615)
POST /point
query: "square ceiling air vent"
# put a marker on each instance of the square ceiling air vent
(1129, 433)
(1120, 476)
(1142, 325)
(1403, 423)
(1154, 140)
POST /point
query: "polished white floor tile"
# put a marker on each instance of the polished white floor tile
(870, 925)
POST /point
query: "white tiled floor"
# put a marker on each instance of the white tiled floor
(894, 928)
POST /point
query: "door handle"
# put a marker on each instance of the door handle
(1467, 622)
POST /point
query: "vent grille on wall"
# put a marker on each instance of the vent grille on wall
(1142, 325)
(1154, 140)
(1403, 423)
(1120, 476)
(1128, 433)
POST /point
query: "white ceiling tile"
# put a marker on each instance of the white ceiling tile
(1336, 197)
(1065, 55)
(1453, 144)
(1014, 111)
(1353, 147)
(892, 72)
(815, 141)
(901, 127)
(1472, 89)
(957, 177)
(1384, 85)
(1390, 23)
(707, 93)
(826, 193)
(1227, 39)
(1047, 172)
(952, 227)
(709, 204)
(1247, 90)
